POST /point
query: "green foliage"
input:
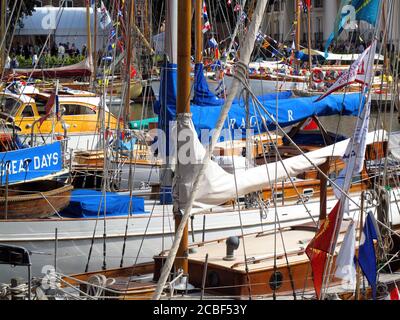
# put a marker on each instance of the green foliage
(50, 61)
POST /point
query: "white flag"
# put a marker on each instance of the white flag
(352, 75)
(354, 154)
(345, 267)
(105, 18)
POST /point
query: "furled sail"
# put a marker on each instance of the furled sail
(217, 186)
(81, 69)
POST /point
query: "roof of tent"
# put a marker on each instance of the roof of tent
(64, 21)
(340, 57)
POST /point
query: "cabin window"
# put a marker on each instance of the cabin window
(9, 105)
(278, 194)
(76, 109)
(41, 105)
(308, 192)
(28, 112)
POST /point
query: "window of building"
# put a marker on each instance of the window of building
(276, 6)
(67, 3)
(27, 112)
(318, 4)
(76, 109)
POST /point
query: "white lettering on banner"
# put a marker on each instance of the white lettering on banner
(36, 162)
(55, 158)
(290, 115)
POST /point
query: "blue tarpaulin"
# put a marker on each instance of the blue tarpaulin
(287, 111)
(86, 203)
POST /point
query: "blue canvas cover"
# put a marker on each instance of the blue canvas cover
(85, 204)
(202, 94)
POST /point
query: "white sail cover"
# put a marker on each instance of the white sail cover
(218, 186)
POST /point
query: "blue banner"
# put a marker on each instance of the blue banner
(30, 163)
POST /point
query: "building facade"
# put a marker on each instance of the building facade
(280, 17)
(58, 3)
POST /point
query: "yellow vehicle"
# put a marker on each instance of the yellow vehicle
(80, 116)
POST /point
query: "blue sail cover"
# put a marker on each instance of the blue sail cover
(286, 110)
(85, 204)
(202, 94)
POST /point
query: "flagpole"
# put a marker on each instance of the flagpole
(357, 293)
(367, 94)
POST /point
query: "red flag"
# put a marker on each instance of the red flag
(47, 108)
(308, 3)
(319, 246)
(394, 294)
(317, 260)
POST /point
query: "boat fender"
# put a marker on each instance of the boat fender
(317, 75)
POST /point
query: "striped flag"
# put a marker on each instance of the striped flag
(206, 25)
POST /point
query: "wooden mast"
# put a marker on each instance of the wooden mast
(298, 23)
(128, 51)
(183, 106)
(198, 33)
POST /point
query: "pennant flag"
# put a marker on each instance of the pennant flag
(237, 8)
(308, 3)
(354, 154)
(105, 18)
(366, 252)
(320, 245)
(350, 76)
(213, 43)
(351, 11)
(345, 268)
(53, 101)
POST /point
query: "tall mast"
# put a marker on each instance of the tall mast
(298, 23)
(309, 37)
(199, 36)
(128, 51)
(3, 33)
(95, 40)
(89, 34)
(183, 107)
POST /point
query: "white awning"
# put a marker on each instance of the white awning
(61, 22)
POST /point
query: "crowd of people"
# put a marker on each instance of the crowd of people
(33, 52)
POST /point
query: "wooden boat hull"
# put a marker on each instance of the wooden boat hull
(46, 198)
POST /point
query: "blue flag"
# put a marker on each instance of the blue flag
(366, 252)
(351, 11)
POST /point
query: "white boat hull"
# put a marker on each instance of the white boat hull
(75, 235)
